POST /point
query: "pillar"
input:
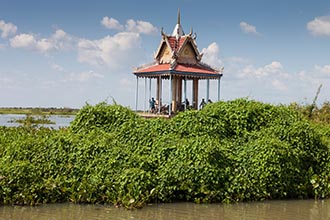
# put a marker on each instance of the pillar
(137, 93)
(174, 93)
(219, 88)
(149, 88)
(195, 93)
(145, 94)
(207, 90)
(170, 97)
(160, 91)
(179, 97)
(185, 93)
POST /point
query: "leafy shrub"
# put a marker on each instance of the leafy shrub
(103, 116)
(239, 150)
(193, 170)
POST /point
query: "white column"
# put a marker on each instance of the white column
(160, 94)
(219, 88)
(185, 92)
(192, 94)
(170, 97)
(145, 94)
(150, 89)
(207, 90)
(137, 93)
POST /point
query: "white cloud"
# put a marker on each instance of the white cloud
(111, 23)
(248, 70)
(320, 26)
(127, 83)
(310, 80)
(307, 76)
(23, 41)
(5, 80)
(44, 45)
(323, 69)
(211, 55)
(57, 67)
(248, 28)
(7, 29)
(271, 75)
(69, 76)
(142, 27)
(273, 82)
(63, 40)
(58, 41)
(275, 68)
(237, 60)
(279, 85)
(83, 76)
(113, 51)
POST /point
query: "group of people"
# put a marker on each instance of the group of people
(203, 103)
(152, 104)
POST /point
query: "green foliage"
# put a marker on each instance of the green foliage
(318, 114)
(190, 172)
(103, 116)
(39, 111)
(33, 121)
(239, 150)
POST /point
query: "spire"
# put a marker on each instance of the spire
(178, 31)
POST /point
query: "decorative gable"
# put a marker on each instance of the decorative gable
(181, 50)
(187, 55)
(165, 54)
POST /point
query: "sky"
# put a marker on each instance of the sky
(69, 53)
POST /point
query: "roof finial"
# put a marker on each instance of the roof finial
(178, 31)
(191, 32)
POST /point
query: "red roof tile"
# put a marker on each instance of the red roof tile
(194, 69)
(179, 67)
(154, 68)
(174, 43)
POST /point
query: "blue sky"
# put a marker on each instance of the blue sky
(67, 53)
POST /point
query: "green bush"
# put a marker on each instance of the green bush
(103, 116)
(240, 150)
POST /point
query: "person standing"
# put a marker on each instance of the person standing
(203, 103)
(152, 103)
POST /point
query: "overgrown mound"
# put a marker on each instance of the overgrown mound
(239, 150)
(273, 152)
(102, 116)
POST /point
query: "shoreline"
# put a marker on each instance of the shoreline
(38, 111)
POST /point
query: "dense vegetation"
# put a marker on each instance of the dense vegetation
(239, 150)
(32, 121)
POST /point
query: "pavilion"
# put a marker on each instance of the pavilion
(178, 60)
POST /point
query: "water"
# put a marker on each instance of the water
(60, 120)
(270, 210)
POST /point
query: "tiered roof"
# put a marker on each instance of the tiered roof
(177, 54)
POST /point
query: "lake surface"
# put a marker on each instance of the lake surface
(270, 210)
(60, 120)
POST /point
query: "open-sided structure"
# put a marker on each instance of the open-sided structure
(178, 60)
